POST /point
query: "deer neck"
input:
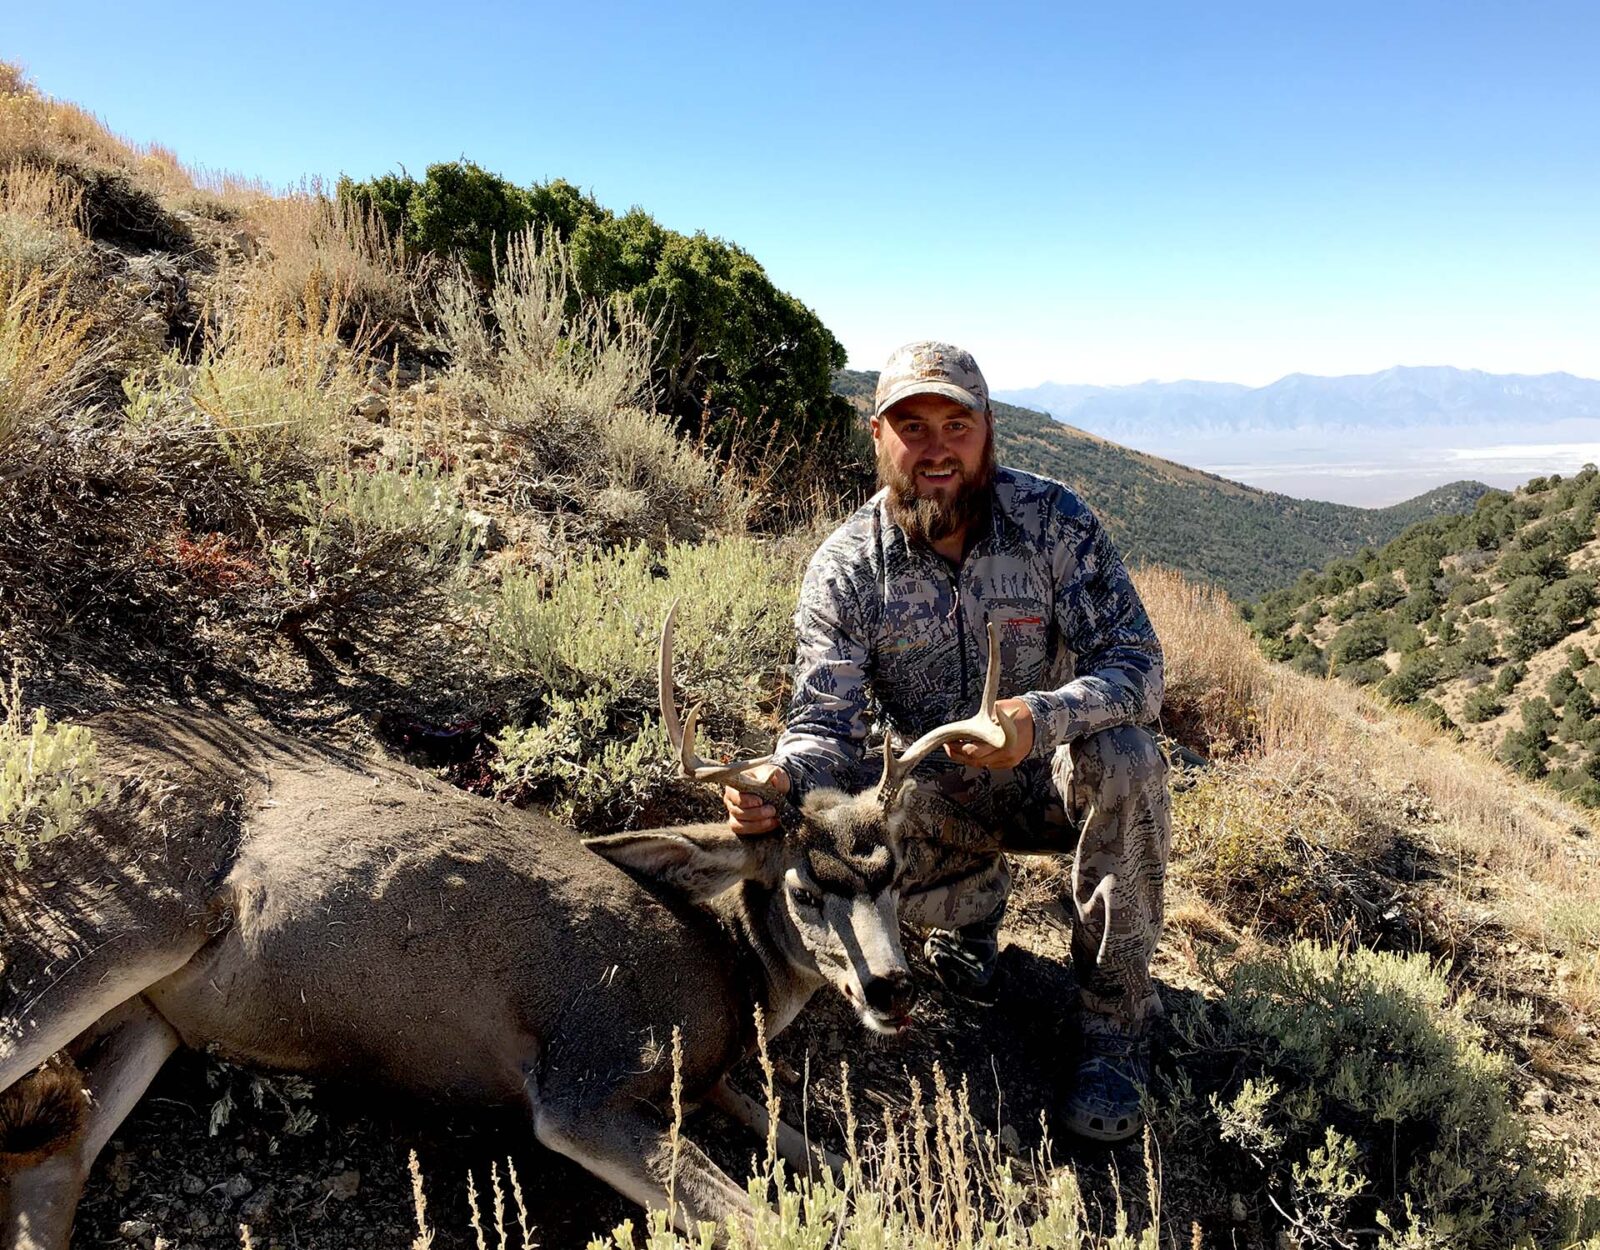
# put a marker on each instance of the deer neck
(762, 935)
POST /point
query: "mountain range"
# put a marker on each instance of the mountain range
(1395, 399)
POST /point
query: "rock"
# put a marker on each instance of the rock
(490, 536)
(343, 1186)
(135, 1230)
(258, 1208)
(1538, 1099)
(1236, 1209)
(192, 1184)
(237, 1186)
(1011, 1140)
(373, 407)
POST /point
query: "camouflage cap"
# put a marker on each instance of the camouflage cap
(930, 368)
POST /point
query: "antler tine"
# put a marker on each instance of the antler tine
(681, 733)
(989, 725)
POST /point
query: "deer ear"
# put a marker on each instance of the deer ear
(699, 864)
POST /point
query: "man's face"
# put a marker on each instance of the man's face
(936, 458)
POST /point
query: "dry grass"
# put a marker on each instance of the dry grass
(312, 241)
(50, 360)
(39, 131)
(1482, 815)
(566, 379)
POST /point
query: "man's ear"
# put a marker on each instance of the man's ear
(699, 864)
(873, 426)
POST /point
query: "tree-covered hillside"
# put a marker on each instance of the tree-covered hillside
(1246, 540)
(1481, 621)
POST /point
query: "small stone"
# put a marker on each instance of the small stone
(257, 1209)
(1236, 1209)
(1011, 1140)
(1538, 1099)
(489, 533)
(344, 1185)
(373, 407)
(133, 1230)
(237, 1186)
(192, 1184)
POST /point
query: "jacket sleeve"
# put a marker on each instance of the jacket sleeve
(1117, 662)
(826, 737)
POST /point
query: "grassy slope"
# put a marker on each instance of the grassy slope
(1246, 540)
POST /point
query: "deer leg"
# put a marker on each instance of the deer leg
(628, 1148)
(47, 1018)
(118, 1060)
(793, 1148)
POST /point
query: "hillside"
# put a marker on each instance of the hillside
(1246, 540)
(256, 459)
(1483, 622)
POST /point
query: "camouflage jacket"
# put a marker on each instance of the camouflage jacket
(886, 622)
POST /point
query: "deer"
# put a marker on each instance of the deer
(292, 908)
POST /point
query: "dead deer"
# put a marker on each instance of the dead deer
(289, 908)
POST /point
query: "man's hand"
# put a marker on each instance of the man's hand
(980, 755)
(749, 815)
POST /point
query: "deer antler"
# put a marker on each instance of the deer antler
(681, 734)
(989, 725)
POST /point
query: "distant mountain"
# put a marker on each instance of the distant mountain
(1244, 539)
(1398, 398)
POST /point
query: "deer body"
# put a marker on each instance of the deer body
(291, 909)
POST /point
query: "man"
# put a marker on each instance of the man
(893, 615)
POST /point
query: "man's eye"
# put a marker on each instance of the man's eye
(806, 899)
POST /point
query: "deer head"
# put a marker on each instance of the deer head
(827, 881)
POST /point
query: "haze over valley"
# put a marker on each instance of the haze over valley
(1367, 439)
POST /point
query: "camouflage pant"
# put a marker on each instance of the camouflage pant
(1104, 798)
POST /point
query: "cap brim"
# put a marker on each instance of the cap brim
(949, 390)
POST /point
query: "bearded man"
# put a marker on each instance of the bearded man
(892, 622)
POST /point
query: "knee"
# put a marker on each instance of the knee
(1127, 758)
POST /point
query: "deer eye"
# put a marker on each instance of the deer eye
(805, 898)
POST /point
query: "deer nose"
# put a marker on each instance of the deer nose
(893, 995)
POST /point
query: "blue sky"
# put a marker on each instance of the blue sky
(1100, 193)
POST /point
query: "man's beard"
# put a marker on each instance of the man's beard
(930, 520)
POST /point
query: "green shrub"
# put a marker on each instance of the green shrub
(588, 643)
(1560, 684)
(49, 778)
(1358, 1084)
(1364, 673)
(1471, 590)
(1310, 614)
(1523, 750)
(1311, 662)
(1481, 705)
(1509, 676)
(1360, 640)
(366, 540)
